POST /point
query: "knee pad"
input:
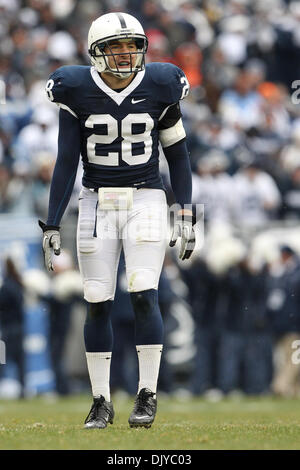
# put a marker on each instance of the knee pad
(96, 291)
(142, 280)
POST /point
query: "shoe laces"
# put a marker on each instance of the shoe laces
(142, 400)
(98, 408)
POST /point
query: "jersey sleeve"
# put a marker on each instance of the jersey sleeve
(178, 160)
(171, 83)
(58, 89)
(65, 169)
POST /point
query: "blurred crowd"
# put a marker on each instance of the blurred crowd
(242, 119)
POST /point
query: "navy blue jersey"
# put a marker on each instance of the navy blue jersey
(119, 132)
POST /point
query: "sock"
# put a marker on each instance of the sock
(149, 361)
(99, 370)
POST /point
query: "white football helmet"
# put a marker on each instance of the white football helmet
(116, 26)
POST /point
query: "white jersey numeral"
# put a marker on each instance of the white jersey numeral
(112, 133)
(49, 86)
(130, 138)
(186, 87)
(127, 135)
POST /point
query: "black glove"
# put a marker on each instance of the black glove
(183, 227)
(51, 241)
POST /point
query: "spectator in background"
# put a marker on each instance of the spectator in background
(175, 28)
(205, 296)
(66, 289)
(43, 170)
(290, 154)
(15, 190)
(40, 135)
(233, 38)
(158, 49)
(256, 71)
(213, 134)
(5, 142)
(201, 32)
(289, 179)
(218, 75)
(286, 45)
(257, 197)
(291, 196)
(267, 139)
(188, 57)
(245, 353)
(275, 116)
(241, 105)
(285, 315)
(150, 11)
(5, 176)
(12, 319)
(213, 187)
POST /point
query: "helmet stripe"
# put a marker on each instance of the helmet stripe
(122, 20)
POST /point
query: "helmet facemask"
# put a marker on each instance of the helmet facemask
(100, 58)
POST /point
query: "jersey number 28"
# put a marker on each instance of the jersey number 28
(128, 138)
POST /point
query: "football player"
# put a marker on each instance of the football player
(114, 113)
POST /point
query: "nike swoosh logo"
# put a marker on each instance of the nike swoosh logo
(133, 101)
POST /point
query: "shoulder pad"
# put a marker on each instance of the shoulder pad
(171, 80)
(62, 82)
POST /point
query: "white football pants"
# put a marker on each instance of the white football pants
(142, 231)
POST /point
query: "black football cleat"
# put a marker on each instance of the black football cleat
(144, 409)
(101, 414)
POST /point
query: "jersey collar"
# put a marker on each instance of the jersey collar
(114, 95)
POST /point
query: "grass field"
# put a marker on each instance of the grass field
(256, 423)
